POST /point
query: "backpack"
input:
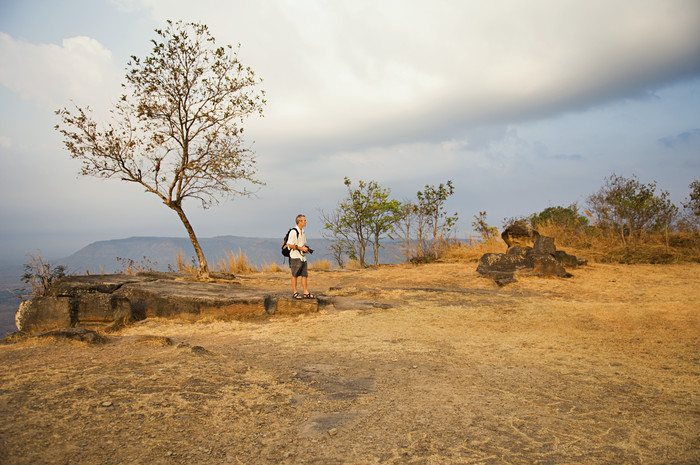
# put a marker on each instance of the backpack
(285, 249)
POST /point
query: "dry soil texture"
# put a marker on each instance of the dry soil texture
(414, 365)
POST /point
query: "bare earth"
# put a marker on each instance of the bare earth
(414, 365)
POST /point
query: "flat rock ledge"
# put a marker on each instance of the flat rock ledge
(107, 301)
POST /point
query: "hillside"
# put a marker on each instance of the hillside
(160, 252)
(419, 365)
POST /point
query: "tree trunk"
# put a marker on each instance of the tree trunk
(622, 231)
(435, 239)
(362, 249)
(203, 266)
(376, 249)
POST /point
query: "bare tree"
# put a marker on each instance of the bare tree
(176, 131)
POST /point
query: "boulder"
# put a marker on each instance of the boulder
(567, 260)
(520, 233)
(517, 251)
(546, 265)
(544, 246)
(42, 314)
(497, 265)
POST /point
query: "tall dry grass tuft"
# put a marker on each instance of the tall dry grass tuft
(473, 249)
(273, 268)
(183, 266)
(236, 263)
(321, 264)
(353, 265)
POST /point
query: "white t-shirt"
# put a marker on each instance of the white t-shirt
(297, 239)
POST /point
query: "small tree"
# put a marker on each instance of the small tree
(567, 218)
(341, 243)
(627, 206)
(403, 228)
(176, 130)
(692, 204)
(364, 217)
(431, 204)
(666, 216)
(485, 231)
(384, 213)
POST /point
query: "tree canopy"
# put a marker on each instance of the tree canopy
(631, 207)
(364, 217)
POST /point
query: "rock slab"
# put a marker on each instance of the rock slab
(107, 301)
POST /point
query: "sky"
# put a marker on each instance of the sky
(523, 105)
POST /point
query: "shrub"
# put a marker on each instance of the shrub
(132, 267)
(39, 275)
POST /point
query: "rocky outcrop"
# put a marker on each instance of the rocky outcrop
(540, 259)
(106, 301)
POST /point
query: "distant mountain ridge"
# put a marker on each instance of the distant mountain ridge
(160, 252)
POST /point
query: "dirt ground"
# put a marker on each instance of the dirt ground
(413, 365)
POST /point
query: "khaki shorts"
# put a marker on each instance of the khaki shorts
(299, 267)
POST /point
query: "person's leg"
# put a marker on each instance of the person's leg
(295, 266)
(305, 281)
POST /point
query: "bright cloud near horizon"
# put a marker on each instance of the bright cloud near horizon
(523, 105)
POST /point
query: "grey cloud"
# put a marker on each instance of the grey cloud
(684, 139)
(574, 157)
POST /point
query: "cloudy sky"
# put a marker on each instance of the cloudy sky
(522, 104)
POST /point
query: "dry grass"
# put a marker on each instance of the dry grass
(599, 368)
(183, 266)
(595, 246)
(353, 265)
(605, 246)
(236, 263)
(473, 249)
(273, 268)
(321, 264)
